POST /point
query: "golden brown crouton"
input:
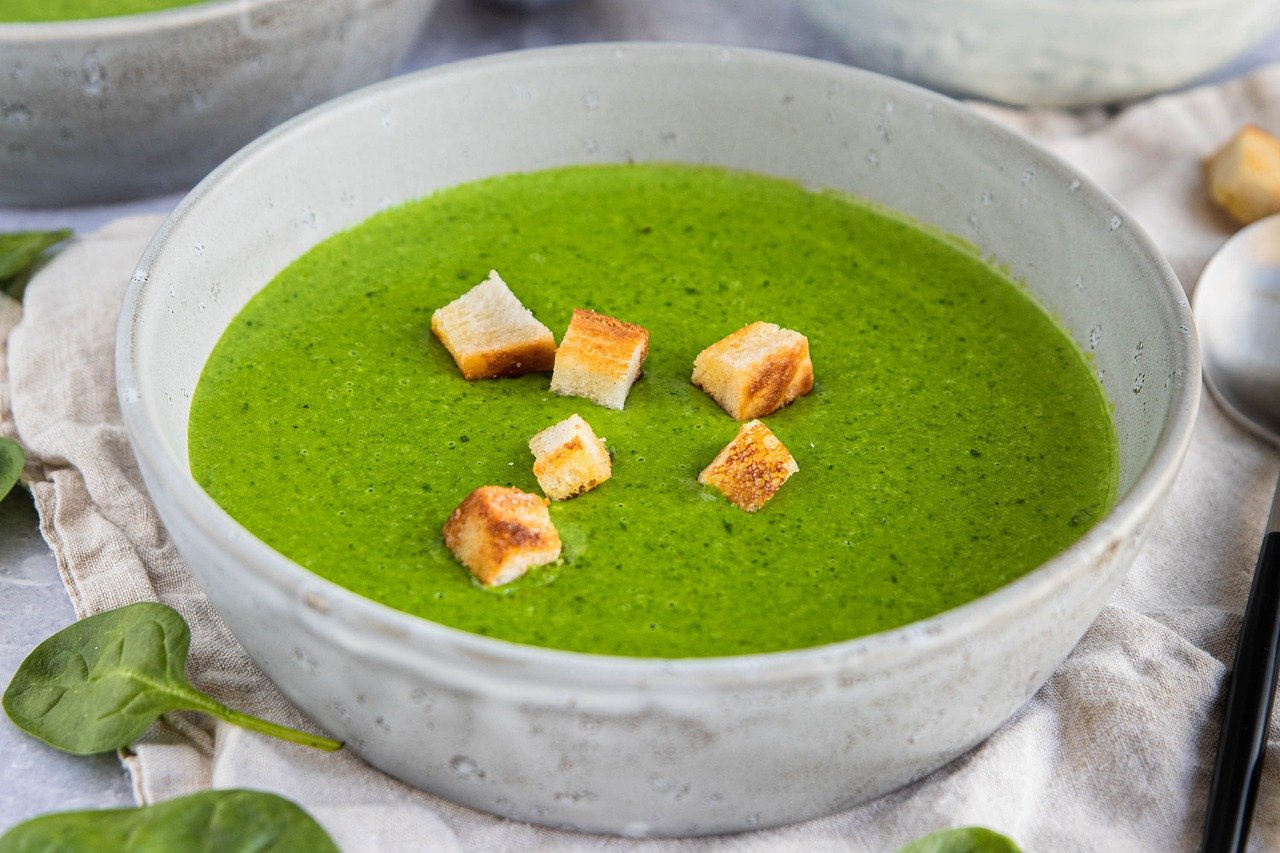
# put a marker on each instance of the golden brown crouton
(569, 459)
(599, 358)
(500, 533)
(490, 334)
(756, 370)
(1244, 175)
(751, 468)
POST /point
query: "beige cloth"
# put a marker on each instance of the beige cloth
(1112, 754)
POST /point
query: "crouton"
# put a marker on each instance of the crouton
(500, 533)
(751, 468)
(1244, 175)
(756, 370)
(569, 459)
(490, 334)
(599, 359)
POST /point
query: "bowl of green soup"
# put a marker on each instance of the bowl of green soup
(111, 99)
(1005, 381)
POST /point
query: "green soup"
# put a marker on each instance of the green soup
(955, 438)
(68, 10)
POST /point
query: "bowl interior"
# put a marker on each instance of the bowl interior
(821, 124)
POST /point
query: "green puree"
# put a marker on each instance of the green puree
(67, 10)
(955, 438)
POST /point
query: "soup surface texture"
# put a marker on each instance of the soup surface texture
(15, 11)
(955, 437)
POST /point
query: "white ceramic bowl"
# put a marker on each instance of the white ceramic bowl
(642, 746)
(111, 108)
(1047, 52)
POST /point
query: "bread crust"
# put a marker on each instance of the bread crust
(491, 335)
(600, 358)
(756, 370)
(505, 362)
(751, 468)
(569, 459)
(499, 533)
(1243, 176)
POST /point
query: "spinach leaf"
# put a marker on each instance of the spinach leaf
(99, 683)
(226, 821)
(11, 461)
(20, 253)
(965, 839)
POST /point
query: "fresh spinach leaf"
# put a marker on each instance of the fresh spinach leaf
(11, 461)
(228, 821)
(965, 839)
(20, 254)
(99, 683)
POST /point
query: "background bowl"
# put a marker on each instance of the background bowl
(1047, 52)
(110, 108)
(642, 746)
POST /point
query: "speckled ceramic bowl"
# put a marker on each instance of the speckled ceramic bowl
(111, 108)
(1047, 52)
(640, 746)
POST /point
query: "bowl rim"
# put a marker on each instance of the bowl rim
(155, 22)
(350, 618)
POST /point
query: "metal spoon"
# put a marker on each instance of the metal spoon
(1237, 308)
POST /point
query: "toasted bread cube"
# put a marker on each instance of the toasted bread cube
(569, 459)
(490, 334)
(751, 468)
(1244, 175)
(756, 370)
(599, 358)
(500, 533)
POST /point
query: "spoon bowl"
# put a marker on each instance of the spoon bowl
(1237, 308)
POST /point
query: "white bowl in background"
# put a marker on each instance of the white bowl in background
(652, 746)
(110, 108)
(1047, 52)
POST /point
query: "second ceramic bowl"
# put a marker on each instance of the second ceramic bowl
(111, 108)
(1047, 52)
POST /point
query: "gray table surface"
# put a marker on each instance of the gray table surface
(33, 604)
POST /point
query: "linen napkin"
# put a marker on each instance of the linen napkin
(1113, 753)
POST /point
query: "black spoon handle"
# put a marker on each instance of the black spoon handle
(1250, 695)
